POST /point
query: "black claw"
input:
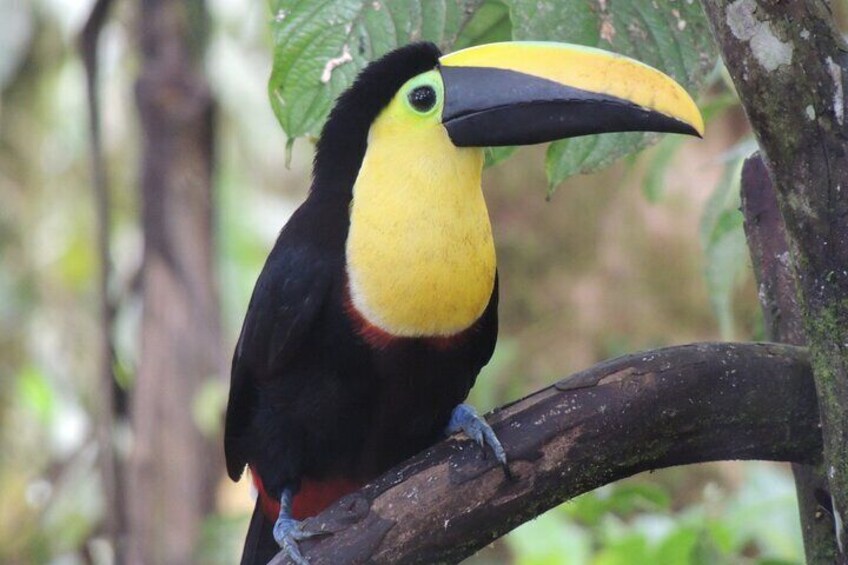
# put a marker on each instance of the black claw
(510, 476)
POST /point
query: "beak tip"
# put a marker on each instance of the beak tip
(697, 125)
(693, 124)
(698, 131)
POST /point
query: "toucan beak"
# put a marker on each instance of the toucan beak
(520, 93)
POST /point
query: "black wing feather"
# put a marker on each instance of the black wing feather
(290, 291)
(259, 546)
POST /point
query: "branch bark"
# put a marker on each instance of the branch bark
(789, 63)
(673, 406)
(782, 315)
(108, 392)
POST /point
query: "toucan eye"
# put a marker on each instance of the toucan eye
(422, 98)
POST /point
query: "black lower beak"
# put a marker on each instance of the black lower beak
(487, 107)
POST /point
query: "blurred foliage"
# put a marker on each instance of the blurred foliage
(634, 523)
(611, 264)
(723, 240)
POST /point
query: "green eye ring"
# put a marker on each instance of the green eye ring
(422, 95)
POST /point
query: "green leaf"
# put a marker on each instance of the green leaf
(320, 46)
(589, 153)
(35, 393)
(673, 37)
(654, 185)
(721, 535)
(495, 155)
(489, 24)
(210, 401)
(628, 498)
(588, 508)
(487, 393)
(623, 499)
(764, 512)
(221, 539)
(631, 549)
(549, 540)
(723, 242)
(678, 547)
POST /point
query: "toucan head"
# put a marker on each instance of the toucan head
(510, 93)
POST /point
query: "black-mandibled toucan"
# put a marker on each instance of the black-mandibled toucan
(377, 306)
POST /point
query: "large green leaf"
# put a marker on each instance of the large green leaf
(320, 45)
(726, 257)
(672, 36)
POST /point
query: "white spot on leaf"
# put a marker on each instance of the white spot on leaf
(607, 29)
(345, 57)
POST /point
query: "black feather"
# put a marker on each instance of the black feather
(343, 140)
(309, 252)
(259, 546)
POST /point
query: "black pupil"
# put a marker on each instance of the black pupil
(422, 98)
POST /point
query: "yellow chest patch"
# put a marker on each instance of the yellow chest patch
(420, 255)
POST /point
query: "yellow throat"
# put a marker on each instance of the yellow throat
(420, 255)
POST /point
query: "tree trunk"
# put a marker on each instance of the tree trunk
(788, 62)
(173, 466)
(781, 314)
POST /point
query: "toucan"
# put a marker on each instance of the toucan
(377, 306)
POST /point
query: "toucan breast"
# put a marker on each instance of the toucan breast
(420, 255)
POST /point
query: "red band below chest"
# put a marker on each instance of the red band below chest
(312, 498)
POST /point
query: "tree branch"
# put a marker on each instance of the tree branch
(110, 395)
(672, 406)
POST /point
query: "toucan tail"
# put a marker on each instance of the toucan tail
(260, 546)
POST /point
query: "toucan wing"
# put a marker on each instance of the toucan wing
(290, 292)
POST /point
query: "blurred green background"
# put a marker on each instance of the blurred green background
(646, 253)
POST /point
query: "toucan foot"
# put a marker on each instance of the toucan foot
(464, 418)
(287, 532)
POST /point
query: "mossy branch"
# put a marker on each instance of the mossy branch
(673, 406)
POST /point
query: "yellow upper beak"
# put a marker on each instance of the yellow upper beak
(557, 90)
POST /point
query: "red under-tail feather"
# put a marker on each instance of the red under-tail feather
(311, 499)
